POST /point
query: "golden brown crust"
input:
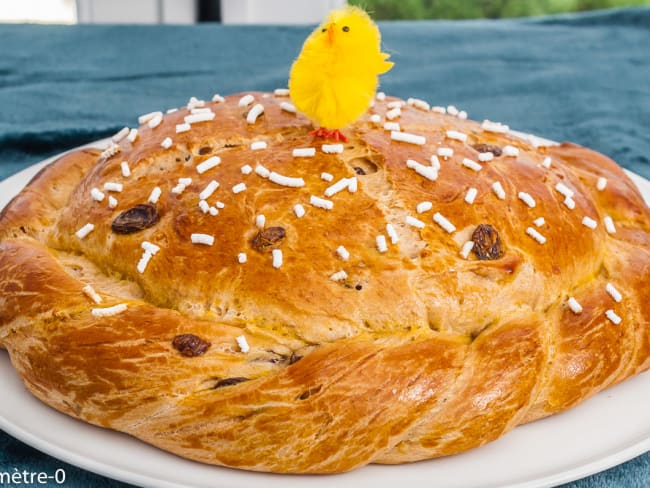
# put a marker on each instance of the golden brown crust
(416, 353)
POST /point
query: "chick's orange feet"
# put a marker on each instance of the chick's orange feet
(335, 134)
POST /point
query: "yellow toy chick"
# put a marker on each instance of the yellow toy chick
(335, 77)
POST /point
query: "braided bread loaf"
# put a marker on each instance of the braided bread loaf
(327, 308)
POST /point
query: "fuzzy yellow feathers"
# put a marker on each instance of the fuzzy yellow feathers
(335, 77)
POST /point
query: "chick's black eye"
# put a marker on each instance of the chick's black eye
(323, 30)
(346, 28)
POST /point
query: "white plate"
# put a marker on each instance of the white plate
(607, 430)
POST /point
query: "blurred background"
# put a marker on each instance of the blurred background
(491, 9)
(279, 11)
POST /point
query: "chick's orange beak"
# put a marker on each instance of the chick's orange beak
(330, 33)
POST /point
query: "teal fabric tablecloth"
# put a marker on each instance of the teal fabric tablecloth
(583, 78)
